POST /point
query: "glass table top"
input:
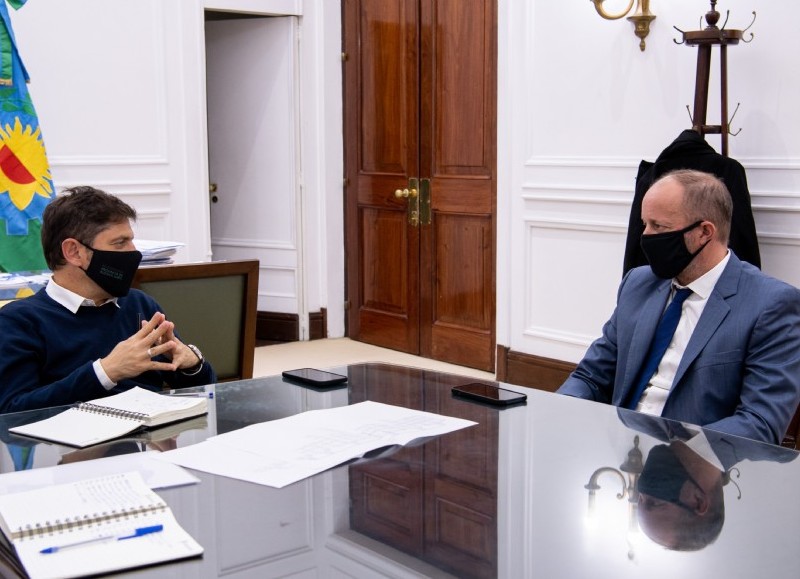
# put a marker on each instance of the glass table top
(555, 487)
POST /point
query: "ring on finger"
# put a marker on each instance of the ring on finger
(150, 352)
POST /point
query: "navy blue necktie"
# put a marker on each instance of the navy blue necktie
(664, 331)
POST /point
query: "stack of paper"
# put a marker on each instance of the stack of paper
(157, 252)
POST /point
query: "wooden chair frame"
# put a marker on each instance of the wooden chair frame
(216, 269)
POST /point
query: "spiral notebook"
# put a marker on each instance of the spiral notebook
(108, 418)
(93, 526)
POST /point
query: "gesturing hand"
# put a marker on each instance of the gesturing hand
(135, 355)
(181, 355)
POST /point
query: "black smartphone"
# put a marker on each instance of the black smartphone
(314, 377)
(489, 393)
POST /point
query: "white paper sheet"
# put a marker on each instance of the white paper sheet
(156, 474)
(284, 451)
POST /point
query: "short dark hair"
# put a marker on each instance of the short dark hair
(705, 197)
(79, 213)
(699, 531)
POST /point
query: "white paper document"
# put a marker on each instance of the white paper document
(156, 474)
(281, 452)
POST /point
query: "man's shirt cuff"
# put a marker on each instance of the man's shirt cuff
(102, 376)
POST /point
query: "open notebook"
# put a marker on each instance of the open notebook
(92, 526)
(108, 418)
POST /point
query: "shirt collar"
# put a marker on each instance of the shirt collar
(69, 299)
(704, 285)
(701, 445)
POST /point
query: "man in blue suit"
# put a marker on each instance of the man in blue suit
(733, 362)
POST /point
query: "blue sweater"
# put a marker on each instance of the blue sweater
(46, 351)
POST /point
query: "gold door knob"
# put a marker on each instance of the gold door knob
(399, 193)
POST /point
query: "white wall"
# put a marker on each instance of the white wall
(580, 106)
(109, 80)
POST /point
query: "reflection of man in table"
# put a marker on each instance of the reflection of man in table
(681, 504)
(681, 499)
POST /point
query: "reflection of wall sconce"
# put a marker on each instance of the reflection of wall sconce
(641, 17)
(634, 466)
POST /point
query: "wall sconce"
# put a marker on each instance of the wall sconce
(641, 17)
(633, 466)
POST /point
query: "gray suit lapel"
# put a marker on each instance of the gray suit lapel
(714, 313)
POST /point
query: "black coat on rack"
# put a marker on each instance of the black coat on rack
(691, 151)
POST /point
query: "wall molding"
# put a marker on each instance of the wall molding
(140, 188)
(555, 336)
(770, 163)
(779, 239)
(577, 225)
(253, 243)
(763, 208)
(106, 160)
(584, 162)
(582, 199)
(280, 327)
(143, 214)
(592, 162)
(531, 371)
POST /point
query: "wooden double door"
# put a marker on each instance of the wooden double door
(420, 202)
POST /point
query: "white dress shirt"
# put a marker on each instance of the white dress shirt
(655, 394)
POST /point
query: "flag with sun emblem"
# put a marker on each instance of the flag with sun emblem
(26, 186)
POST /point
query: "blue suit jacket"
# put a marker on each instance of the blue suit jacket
(740, 373)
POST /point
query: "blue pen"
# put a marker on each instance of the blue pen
(140, 532)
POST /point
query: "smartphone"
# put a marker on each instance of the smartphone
(314, 377)
(489, 393)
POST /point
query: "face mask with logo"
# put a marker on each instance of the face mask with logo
(664, 475)
(113, 271)
(667, 252)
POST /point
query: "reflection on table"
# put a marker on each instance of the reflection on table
(508, 498)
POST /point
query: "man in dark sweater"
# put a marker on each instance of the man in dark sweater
(87, 334)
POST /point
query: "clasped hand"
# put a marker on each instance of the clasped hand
(135, 355)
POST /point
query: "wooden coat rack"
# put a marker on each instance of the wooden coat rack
(704, 40)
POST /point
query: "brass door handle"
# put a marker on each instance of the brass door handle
(411, 193)
(400, 193)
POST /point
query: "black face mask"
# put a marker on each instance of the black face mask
(113, 270)
(664, 475)
(667, 252)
